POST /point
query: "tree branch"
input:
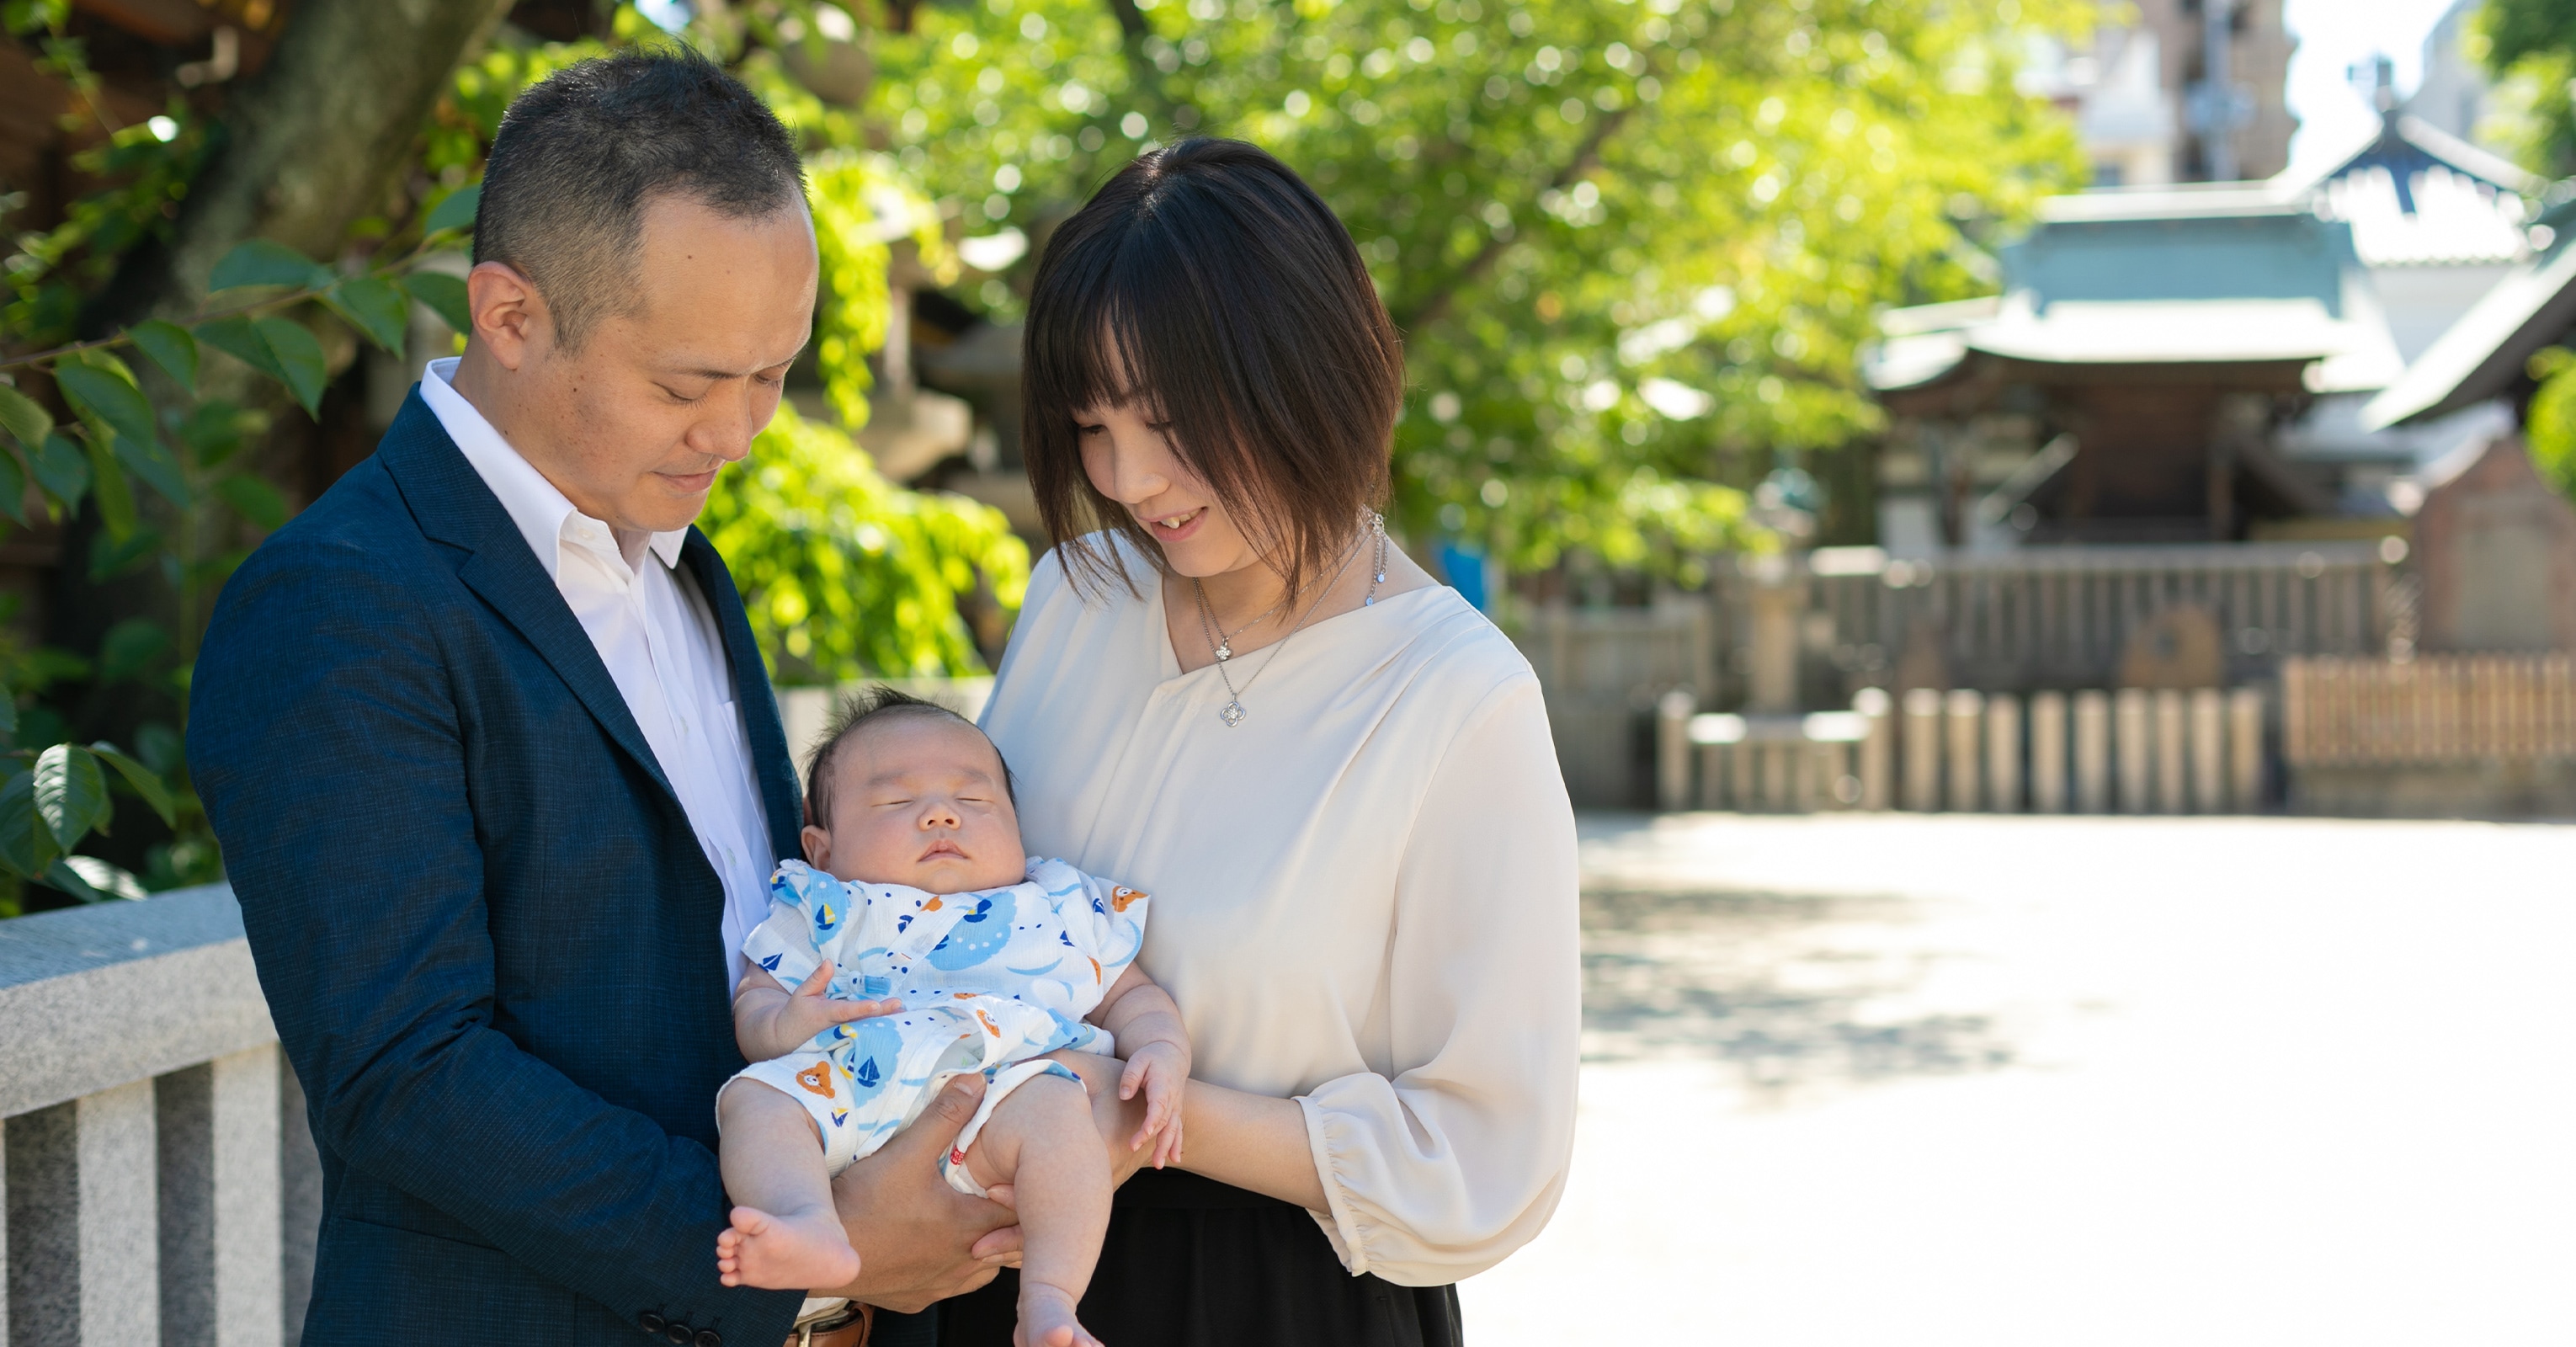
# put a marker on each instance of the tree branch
(1586, 157)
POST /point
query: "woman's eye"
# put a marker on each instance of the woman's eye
(1088, 430)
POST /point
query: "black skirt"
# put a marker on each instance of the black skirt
(1191, 1262)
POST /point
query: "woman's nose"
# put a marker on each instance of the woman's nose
(1135, 474)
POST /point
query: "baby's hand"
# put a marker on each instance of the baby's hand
(1161, 1069)
(808, 1011)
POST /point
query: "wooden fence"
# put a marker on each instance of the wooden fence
(2063, 617)
(2428, 710)
(2043, 619)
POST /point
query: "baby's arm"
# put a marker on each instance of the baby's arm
(1146, 1022)
(771, 1021)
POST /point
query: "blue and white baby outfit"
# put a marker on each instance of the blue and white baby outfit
(989, 981)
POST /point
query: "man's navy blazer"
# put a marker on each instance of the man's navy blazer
(485, 928)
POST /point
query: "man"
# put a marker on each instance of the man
(500, 781)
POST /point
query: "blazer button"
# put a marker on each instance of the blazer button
(650, 1323)
(709, 1338)
(678, 1333)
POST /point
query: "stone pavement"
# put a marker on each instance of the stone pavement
(2065, 1082)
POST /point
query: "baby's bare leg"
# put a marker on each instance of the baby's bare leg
(785, 1235)
(1043, 1142)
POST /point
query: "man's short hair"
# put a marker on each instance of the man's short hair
(581, 154)
(876, 705)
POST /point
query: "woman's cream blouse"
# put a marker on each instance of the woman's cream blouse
(1364, 895)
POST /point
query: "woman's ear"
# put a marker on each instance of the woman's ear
(818, 848)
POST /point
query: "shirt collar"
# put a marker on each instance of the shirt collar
(546, 518)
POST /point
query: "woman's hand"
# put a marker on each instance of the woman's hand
(919, 1240)
(1161, 1070)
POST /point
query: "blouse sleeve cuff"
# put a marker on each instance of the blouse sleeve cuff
(1342, 1227)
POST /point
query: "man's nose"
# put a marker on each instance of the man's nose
(728, 434)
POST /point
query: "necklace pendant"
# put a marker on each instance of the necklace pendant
(1232, 713)
(1369, 602)
(1225, 652)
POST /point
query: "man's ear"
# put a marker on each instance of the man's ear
(510, 316)
(818, 848)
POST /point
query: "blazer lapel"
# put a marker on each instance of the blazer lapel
(454, 507)
(772, 761)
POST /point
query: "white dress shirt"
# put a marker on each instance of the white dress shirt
(656, 635)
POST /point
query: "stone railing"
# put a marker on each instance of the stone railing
(161, 1184)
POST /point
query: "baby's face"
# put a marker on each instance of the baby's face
(920, 800)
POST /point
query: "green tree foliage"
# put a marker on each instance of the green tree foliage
(1633, 247)
(845, 574)
(2551, 429)
(2530, 46)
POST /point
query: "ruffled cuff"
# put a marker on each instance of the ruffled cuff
(1343, 1227)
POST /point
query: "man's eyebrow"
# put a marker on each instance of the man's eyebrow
(720, 375)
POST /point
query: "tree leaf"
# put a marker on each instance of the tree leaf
(456, 212)
(13, 486)
(93, 880)
(115, 498)
(62, 470)
(281, 349)
(170, 347)
(110, 557)
(376, 307)
(267, 262)
(101, 398)
(215, 430)
(146, 782)
(26, 848)
(71, 795)
(257, 501)
(299, 355)
(130, 647)
(240, 338)
(24, 417)
(445, 296)
(151, 461)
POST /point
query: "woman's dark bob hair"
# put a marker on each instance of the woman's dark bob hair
(1209, 282)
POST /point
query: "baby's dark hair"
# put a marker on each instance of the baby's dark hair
(878, 703)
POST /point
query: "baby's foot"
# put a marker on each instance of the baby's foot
(1046, 1319)
(784, 1253)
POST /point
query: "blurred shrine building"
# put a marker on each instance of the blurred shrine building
(2220, 505)
(2189, 363)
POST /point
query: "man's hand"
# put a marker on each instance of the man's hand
(919, 1240)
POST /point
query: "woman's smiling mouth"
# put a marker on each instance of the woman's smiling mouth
(1174, 527)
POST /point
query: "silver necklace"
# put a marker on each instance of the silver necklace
(1223, 639)
(1233, 712)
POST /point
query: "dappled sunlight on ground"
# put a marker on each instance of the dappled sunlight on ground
(1925, 1080)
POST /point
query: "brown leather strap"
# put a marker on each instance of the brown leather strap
(851, 1331)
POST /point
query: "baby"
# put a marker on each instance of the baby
(932, 947)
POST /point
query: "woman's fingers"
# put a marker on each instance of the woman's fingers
(817, 982)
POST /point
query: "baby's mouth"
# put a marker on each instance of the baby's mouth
(943, 847)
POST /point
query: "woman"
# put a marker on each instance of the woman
(1334, 776)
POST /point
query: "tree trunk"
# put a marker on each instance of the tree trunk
(301, 151)
(310, 144)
